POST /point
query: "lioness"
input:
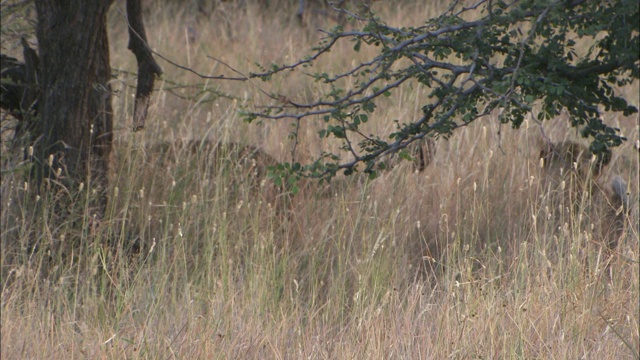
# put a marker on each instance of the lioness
(573, 172)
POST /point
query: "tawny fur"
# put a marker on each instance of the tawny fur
(571, 171)
(247, 164)
(422, 153)
(250, 167)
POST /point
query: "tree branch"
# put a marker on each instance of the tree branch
(148, 69)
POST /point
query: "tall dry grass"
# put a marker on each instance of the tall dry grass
(473, 258)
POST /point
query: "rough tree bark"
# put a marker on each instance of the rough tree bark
(75, 98)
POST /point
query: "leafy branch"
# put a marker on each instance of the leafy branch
(514, 58)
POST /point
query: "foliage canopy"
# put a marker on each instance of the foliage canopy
(513, 58)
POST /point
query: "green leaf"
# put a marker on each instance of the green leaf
(356, 47)
(360, 118)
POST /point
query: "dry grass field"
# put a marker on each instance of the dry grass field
(479, 256)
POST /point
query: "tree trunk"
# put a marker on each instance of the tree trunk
(75, 103)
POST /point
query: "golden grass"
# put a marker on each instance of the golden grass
(472, 258)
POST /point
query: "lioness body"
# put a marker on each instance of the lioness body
(571, 171)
